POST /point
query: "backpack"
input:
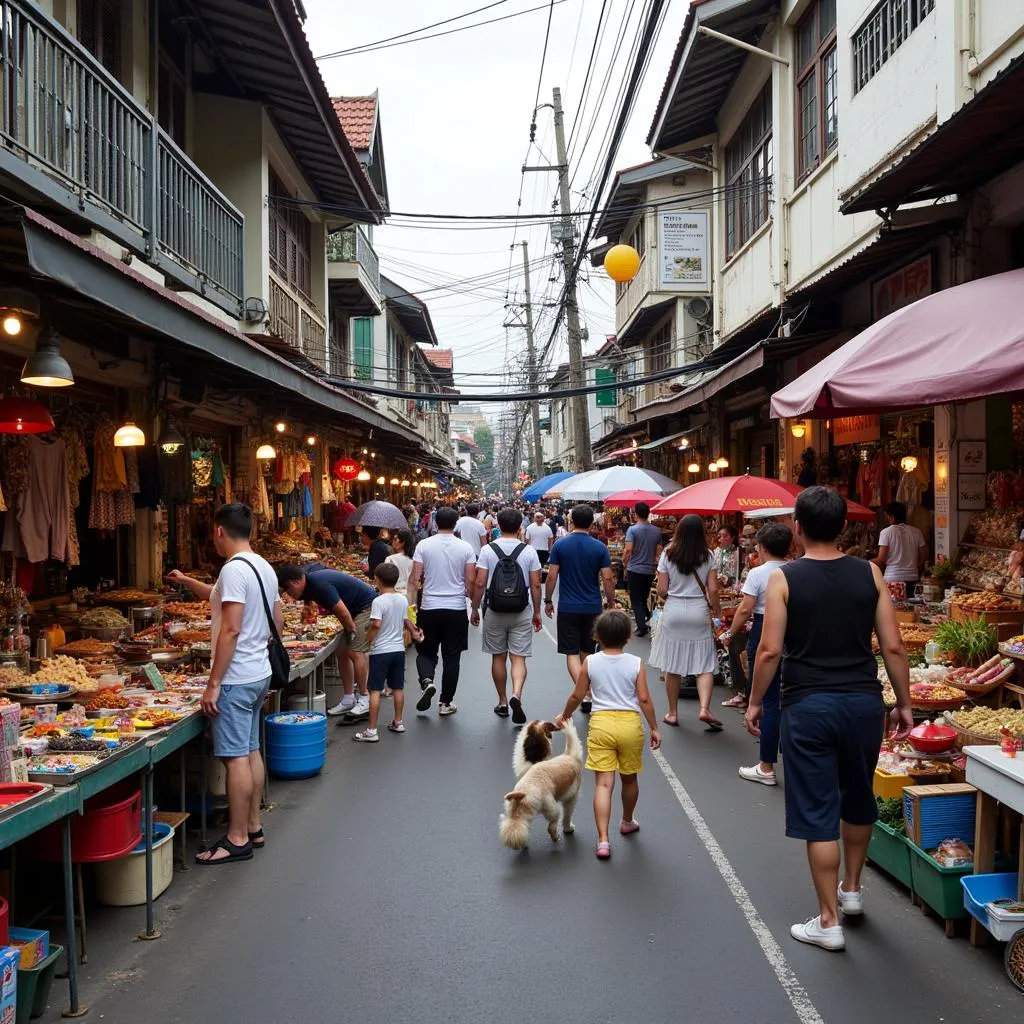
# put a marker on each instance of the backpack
(507, 590)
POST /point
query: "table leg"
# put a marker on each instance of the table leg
(263, 754)
(1020, 865)
(147, 824)
(183, 838)
(74, 1009)
(984, 853)
(310, 689)
(202, 790)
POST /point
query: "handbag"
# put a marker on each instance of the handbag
(711, 611)
(280, 663)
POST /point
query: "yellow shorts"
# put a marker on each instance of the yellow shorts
(615, 742)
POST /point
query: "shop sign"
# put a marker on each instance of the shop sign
(970, 492)
(346, 469)
(683, 255)
(606, 376)
(942, 500)
(901, 288)
(972, 457)
(856, 429)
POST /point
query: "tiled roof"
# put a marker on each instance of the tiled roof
(442, 358)
(358, 117)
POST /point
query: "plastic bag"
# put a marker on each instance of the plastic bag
(954, 853)
(654, 623)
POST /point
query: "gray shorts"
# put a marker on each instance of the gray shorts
(508, 633)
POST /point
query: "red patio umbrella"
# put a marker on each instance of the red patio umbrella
(628, 499)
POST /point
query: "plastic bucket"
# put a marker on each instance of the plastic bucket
(296, 744)
(110, 825)
(122, 882)
(298, 702)
(34, 986)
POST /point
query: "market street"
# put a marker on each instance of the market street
(385, 896)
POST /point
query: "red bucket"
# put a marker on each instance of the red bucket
(5, 935)
(109, 827)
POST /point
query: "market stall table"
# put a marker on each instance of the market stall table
(999, 780)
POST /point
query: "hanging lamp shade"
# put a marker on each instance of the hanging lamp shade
(265, 452)
(46, 367)
(170, 441)
(129, 436)
(24, 416)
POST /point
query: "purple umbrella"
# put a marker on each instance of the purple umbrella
(378, 513)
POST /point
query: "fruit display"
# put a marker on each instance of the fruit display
(988, 722)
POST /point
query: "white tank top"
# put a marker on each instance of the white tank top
(613, 681)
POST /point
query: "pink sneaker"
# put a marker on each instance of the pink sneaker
(627, 828)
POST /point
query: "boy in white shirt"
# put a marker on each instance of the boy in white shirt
(389, 617)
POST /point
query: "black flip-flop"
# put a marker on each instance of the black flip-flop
(234, 853)
(501, 710)
(715, 726)
(518, 715)
(257, 839)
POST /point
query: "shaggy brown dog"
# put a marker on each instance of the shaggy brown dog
(549, 786)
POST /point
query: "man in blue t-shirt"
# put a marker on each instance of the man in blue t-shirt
(349, 600)
(640, 560)
(583, 566)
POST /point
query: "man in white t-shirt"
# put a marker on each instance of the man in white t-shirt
(240, 674)
(902, 549)
(539, 536)
(470, 529)
(509, 635)
(444, 567)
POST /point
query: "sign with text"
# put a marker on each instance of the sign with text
(902, 287)
(856, 429)
(970, 492)
(684, 258)
(153, 676)
(941, 500)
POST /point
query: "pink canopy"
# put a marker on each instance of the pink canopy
(959, 344)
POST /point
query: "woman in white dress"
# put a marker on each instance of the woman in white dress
(685, 645)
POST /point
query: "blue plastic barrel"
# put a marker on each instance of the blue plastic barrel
(296, 743)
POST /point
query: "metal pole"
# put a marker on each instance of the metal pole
(578, 403)
(531, 355)
(74, 1010)
(147, 824)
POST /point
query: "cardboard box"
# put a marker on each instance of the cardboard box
(32, 945)
(8, 984)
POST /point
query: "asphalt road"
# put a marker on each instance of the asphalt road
(384, 896)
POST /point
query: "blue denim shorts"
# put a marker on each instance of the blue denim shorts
(236, 729)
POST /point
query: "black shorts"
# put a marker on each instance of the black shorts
(387, 671)
(830, 744)
(543, 556)
(576, 632)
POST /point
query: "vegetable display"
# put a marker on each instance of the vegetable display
(970, 641)
(890, 812)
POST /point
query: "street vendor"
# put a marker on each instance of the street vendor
(727, 556)
(349, 600)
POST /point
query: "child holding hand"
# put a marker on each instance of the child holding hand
(615, 741)
(389, 616)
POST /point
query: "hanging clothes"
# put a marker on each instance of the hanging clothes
(78, 470)
(39, 529)
(217, 472)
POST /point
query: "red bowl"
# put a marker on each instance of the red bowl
(940, 738)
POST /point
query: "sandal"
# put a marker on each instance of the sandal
(627, 828)
(395, 727)
(738, 701)
(257, 839)
(604, 851)
(233, 852)
(672, 720)
(501, 710)
(712, 724)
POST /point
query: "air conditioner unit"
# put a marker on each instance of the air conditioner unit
(699, 307)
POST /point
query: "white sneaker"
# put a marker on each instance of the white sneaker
(344, 706)
(360, 708)
(851, 903)
(813, 934)
(447, 709)
(756, 775)
(367, 737)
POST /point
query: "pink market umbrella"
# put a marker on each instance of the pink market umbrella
(629, 499)
(953, 346)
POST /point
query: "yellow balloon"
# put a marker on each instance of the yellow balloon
(622, 262)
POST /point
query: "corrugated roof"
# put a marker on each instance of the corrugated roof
(358, 117)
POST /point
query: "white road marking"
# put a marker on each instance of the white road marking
(805, 1010)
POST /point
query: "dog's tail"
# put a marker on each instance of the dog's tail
(572, 741)
(514, 827)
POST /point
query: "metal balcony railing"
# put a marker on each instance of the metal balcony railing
(76, 126)
(352, 246)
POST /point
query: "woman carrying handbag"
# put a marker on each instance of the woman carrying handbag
(685, 640)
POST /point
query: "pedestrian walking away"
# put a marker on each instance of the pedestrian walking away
(508, 627)
(239, 676)
(444, 568)
(617, 683)
(685, 642)
(389, 618)
(349, 600)
(773, 543)
(539, 536)
(581, 567)
(902, 549)
(470, 529)
(640, 560)
(820, 612)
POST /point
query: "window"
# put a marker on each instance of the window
(290, 243)
(883, 33)
(748, 169)
(362, 345)
(816, 97)
(99, 29)
(659, 349)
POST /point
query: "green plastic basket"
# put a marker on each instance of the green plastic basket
(938, 887)
(890, 851)
(34, 986)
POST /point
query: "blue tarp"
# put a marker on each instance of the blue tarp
(537, 490)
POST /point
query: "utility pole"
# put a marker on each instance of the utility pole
(578, 404)
(531, 355)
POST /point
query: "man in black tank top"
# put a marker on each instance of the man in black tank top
(820, 612)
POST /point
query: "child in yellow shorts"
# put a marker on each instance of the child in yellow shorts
(615, 742)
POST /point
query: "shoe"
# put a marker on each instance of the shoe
(447, 709)
(429, 689)
(518, 715)
(585, 706)
(367, 737)
(642, 632)
(361, 708)
(627, 828)
(344, 706)
(396, 727)
(739, 702)
(851, 903)
(756, 775)
(386, 694)
(604, 851)
(813, 934)
(501, 710)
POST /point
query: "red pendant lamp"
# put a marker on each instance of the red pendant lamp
(24, 416)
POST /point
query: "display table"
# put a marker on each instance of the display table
(999, 780)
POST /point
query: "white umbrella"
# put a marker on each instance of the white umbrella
(601, 483)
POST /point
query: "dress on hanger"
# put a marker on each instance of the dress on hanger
(39, 529)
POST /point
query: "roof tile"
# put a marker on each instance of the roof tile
(358, 117)
(442, 358)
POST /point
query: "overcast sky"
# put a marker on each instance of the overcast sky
(455, 115)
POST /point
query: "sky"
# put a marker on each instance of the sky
(455, 116)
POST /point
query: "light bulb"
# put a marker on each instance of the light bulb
(712, 467)
(394, 481)
(363, 476)
(722, 463)
(311, 440)
(798, 429)
(280, 427)
(693, 467)
(265, 452)
(12, 325)
(129, 436)
(405, 483)
(381, 481)
(685, 443)
(908, 463)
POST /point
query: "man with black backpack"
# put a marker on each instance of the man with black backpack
(508, 584)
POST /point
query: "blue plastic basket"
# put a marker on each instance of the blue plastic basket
(949, 816)
(982, 889)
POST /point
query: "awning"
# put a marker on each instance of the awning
(666, 440)
(954, 346)
(643, 320)
(412, 312)
(617, 454)
(704, 69)
(976, 144)
(627, 195)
